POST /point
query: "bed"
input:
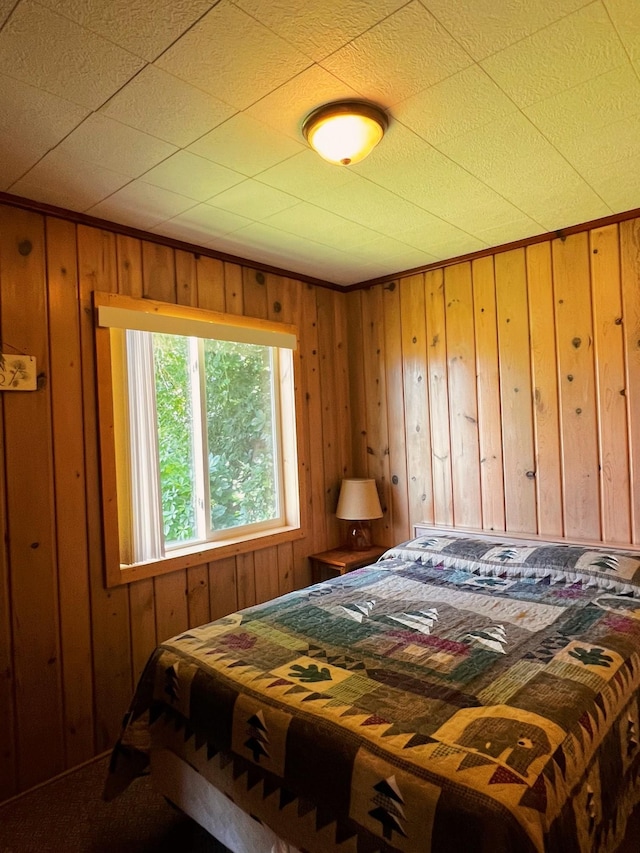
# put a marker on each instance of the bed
(466, 692)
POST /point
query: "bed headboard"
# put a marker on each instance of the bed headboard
(423, 528)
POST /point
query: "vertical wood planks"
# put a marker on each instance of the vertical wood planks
(222, 588)
(265, 563)
(8, 762)
(488, 391)
(30, 498)
(376, 396)
(515, 391)
(110, 623)
(610, 385)
(70, 486)
(353, 310)
(245, 580)
(545, 390)
(332, 462)
(463, 403)
(398, 506)
(438, 397)
(630, 279)
(412, 385)
(311, 416)
(577, 387)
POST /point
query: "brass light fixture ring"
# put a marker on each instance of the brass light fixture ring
(363, 108)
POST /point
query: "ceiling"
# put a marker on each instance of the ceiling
(182, 117)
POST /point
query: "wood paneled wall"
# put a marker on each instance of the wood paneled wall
(70, 649)
(501, 393)
(504, 393)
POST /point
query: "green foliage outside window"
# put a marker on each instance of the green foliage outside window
(175, 436)
(240, 435)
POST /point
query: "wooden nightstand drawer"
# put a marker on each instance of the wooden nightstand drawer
(339, 561)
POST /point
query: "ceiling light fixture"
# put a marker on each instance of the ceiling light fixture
(345, 132)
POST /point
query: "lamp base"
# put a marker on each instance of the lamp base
(359, 536)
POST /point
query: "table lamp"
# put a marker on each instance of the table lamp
(359, 503)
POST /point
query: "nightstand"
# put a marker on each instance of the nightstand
(339, 561)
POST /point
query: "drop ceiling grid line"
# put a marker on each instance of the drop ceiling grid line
(9, 14)
(297, 47)
(518, 40)
(459, 166)
(636, 69)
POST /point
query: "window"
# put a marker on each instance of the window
(197, 432)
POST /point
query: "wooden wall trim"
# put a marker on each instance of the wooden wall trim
(148, 236)
(492, 251)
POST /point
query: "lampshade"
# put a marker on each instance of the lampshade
(358, 500)
(345, 132)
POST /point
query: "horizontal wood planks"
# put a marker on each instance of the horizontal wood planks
(71, 649)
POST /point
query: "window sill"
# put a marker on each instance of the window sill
(199, 554)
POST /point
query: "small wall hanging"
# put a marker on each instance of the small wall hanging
(18, 372)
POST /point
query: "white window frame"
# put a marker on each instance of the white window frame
(114, 315)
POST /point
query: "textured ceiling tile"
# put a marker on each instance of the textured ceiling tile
(204, 59)
(617, 141)
(507, 151)
(253, 200)
(163, 106)
(589, 107)
(413, 169)
(454, 106)
(6, 7)
(481, 207)
(449, 246)
(144, 27)
(201, 223)
(374, 207)
(619, 184)
(18, 156)
(141, 204)
(306, 175)
(319, 27)
(567, 53)
(61, 197)
(400, 56)
(259, 236)
(52, 53)
(192, 176)
(435, 234)
(625, 15)
(520, 229)
(115, 146)
(246, 145)
(388, 249)
(286, 108)
(29, 113)
(558, 204)
(324, 227)
(81, 184)
(484, 27)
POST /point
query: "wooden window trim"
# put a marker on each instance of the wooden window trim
(117, 573)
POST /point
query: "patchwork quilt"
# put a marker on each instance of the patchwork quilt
(439, 700)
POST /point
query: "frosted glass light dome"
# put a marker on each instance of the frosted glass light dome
(345, 133)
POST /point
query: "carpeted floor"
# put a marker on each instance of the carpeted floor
(69, 816)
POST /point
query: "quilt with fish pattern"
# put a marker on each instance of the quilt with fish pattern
(424, 703)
